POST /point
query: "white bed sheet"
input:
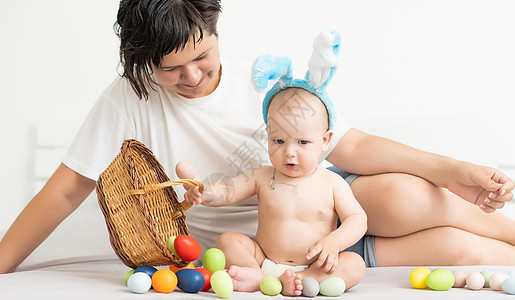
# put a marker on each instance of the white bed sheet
(77, 262)
(101, 278)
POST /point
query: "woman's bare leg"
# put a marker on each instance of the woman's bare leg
(442, 246)
(399, 204)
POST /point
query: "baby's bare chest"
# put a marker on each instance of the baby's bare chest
(306, 202)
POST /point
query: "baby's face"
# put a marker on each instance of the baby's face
(297, 131)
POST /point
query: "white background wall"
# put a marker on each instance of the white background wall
(437, 75)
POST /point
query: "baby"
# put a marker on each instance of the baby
(299, 204)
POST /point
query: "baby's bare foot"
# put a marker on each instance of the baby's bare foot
(292, 283)
(245, 279)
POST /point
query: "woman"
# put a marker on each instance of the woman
(181, 100)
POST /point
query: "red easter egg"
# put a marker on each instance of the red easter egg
(187, 247)
(207, 278)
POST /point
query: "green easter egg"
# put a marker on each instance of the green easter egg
(221, 283)
(487, 274)
(127, 275)
(440, 280)
(270, 285)
(214, 260)
(332, 287)
(170, 245)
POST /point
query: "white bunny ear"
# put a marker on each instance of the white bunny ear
(269, 67)
(324, 59)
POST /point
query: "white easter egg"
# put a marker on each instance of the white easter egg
(460, 278)
(475, 281)
(310, 287)
(496, 280)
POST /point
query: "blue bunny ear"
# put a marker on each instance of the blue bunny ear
(269, 67)
(324, 59)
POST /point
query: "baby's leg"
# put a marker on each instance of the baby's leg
(244, 258)
(291, 283)
(351, 268)
(400, 204)
(442, 246)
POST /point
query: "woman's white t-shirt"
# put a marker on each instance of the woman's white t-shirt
(221, 134)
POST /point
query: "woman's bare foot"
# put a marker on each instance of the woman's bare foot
(245, 279)
(292, 283)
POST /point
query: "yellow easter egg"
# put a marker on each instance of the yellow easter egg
(418, 276)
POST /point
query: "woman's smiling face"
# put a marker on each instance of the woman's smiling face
(192, 72)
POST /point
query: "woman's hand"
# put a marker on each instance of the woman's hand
(486, 187)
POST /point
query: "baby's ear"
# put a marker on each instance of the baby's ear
(328, 135)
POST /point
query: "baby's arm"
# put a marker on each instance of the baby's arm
(353, 227)
(216, 193)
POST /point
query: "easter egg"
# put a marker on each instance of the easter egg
(214, 260)
(460, 278)
(221, 283)
(175, 268)
(310, 287)
(127, 275)
(186, 247)
(508, 285)
(418, 276)
(190, 280)
(207, 278)
(139, 283)
(170, 245)
(486, 274)
(440, 280)
(496, 280)
(164, 281)
(475, 281)
(270, 285)
(332, 287)
(149, 270)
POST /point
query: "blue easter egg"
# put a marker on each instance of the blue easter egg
(190, 280)
(149, 270)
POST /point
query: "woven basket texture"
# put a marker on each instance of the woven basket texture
(140, 224)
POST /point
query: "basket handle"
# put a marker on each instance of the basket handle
(157, 186)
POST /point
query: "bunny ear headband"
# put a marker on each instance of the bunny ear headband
(321, 68)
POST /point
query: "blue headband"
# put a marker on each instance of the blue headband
(321, 68)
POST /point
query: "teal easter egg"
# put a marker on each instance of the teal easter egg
(332, 287)
(221, 283)
(139, 283)
(440, 280)
(214, 260)
(508, 285)
(270, 285)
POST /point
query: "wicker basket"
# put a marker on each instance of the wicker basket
(141, 208)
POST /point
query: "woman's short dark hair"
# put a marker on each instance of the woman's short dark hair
(150, 29)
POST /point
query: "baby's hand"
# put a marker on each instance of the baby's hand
(327, 250)
(192, 194)
(185, 170)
